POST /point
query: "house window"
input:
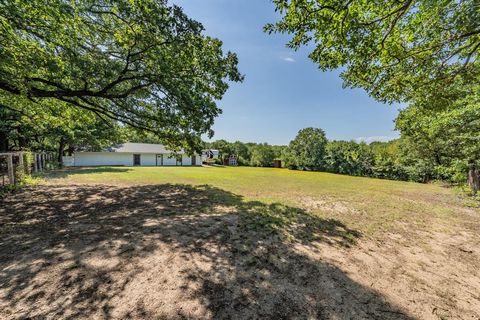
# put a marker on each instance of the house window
(136, 159)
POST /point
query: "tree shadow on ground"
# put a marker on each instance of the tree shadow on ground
(171, 251)
(66, 172)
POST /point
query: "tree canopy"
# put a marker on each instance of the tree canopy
(443, 137)
(395, 50)
(307, 150)
(348, 157)
(142, 63)
(57, 126)
(262, 155)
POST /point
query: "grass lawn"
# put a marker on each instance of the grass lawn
(369, 205)
(246, 243)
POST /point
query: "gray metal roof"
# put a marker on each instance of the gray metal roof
(131, 147)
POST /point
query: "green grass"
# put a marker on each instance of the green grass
(372, 206)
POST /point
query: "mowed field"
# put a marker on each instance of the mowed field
(236, 243)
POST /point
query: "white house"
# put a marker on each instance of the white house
(133, 154)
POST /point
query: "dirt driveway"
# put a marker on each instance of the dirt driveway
(178, 251)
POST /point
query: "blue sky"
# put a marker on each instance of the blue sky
(283, 90)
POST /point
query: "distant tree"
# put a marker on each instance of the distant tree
(242, 151)
(53, 126)
(142, 63)
(15, 133)
(249, 153)
(307, 150)
(262, 155)
(278, 151)
(224, 147)
(348, 157)
(389, 162)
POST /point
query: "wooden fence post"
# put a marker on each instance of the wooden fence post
(11, 175)
(28, 164)
(35, 162)
(473, 177)
(20, 162)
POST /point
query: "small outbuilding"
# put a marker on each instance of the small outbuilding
(134, 154)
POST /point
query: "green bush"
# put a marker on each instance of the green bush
(420, 171)
(456, 172)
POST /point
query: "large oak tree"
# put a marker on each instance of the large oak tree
(143, 63)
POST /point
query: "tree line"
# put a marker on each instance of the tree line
(310, 150)
(400, 159)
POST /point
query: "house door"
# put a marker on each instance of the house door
(136, 159)
(159, 160)
(194, 160)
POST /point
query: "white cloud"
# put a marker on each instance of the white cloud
(373, 139)
(288, 59)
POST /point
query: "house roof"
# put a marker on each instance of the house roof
(131, 147)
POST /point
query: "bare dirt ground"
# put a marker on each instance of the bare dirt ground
(178, 251)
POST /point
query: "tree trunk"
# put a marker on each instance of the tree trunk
(3, 141)
(61, 148)
(473, 177)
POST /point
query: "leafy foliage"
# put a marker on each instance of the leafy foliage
(143, 63)
(225, 148)
(348, 157)
(395, 50)
(262, 155)
(248, 154)
(445, 137)
(50, 126)
(307, 150)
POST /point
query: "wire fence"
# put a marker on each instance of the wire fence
(15, 166)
